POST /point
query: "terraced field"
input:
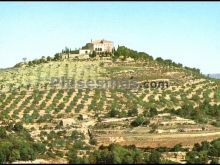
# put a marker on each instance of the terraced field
(42, 73)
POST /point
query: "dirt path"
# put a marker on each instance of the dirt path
(156, 140)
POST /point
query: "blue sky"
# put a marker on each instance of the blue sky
(186, 32)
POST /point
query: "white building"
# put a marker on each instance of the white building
(101, 46)
(98, 46)
(85, 51)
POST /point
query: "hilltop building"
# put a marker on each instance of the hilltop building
(97, 47)
(102, 46)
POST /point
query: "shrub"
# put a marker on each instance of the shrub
(3, 133)
(138, 121)
(113, 113)
(93, 141)
(133, 112)
(154, 157)
(18, 127)
(39, 147)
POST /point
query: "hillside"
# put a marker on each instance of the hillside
(187, 111)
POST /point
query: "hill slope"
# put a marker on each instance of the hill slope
(56, 116)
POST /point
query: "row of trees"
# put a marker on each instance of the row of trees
(201, 114)
(171, 63)
(126, 52)
(43, 59)
(115, 154)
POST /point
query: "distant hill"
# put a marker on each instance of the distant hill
(216, 75)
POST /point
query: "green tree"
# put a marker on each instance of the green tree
(154, 157)
(177, 148)
(93, 141)
(49, 58)
(39, 148)
(57, 57)
(132, 112)
(2, 157)
(194, 157)
(18, 127)
(114, 112)
(3, 133)
(152, 112)
(26, 152)
(93, 54)
(214, 161)
(138, 121)
(15, 155)
(74, 159)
